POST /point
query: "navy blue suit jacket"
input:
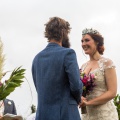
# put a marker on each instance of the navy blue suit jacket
(9, 107)
(57, 80)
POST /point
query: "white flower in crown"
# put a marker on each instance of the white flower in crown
(86, 31)
(9, 103)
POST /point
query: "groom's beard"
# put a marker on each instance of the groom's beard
(66, 43)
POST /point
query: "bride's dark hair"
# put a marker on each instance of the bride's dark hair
(100, 42)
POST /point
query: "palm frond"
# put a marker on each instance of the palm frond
(15, 80)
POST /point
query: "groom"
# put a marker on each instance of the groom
(56, 75)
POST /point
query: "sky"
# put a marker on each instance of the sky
(22, 33)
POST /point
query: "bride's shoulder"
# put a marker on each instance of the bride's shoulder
(107, 62)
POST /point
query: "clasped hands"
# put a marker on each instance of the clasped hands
(1, 118)
(83, 102)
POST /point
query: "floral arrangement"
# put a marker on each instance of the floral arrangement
(15, 79)
(88, 82)
(88, 85)
(117, 104)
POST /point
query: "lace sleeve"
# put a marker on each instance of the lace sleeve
(108, 64)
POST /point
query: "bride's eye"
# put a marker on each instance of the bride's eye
(82, 41)
(86, 40)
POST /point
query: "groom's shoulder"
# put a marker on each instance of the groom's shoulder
(69, 51)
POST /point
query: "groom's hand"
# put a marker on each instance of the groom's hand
(82, 103)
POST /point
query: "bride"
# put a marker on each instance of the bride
(99, 102)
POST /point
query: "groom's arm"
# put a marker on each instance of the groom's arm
(72, 69)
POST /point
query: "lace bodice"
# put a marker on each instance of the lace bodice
(106, 111)
(103, 63)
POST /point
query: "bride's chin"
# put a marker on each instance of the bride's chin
(86, 52)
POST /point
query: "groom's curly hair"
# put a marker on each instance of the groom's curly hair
(56, 28)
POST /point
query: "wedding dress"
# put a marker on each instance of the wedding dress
(108, 110)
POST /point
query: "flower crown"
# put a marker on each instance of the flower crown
(86, 31)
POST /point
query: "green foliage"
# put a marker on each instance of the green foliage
(15, 80)
(33, 108)
(117, 104)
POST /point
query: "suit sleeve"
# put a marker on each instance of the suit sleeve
(72, 69)
(33, 72)
(14, 108)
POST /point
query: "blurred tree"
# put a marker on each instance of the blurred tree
(33, 108)
(117, 104)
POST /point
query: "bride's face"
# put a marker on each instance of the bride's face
(88, 44)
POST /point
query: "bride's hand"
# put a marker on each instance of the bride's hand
(83, 101)
(1, 118)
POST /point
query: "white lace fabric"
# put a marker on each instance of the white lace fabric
(106, 111)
